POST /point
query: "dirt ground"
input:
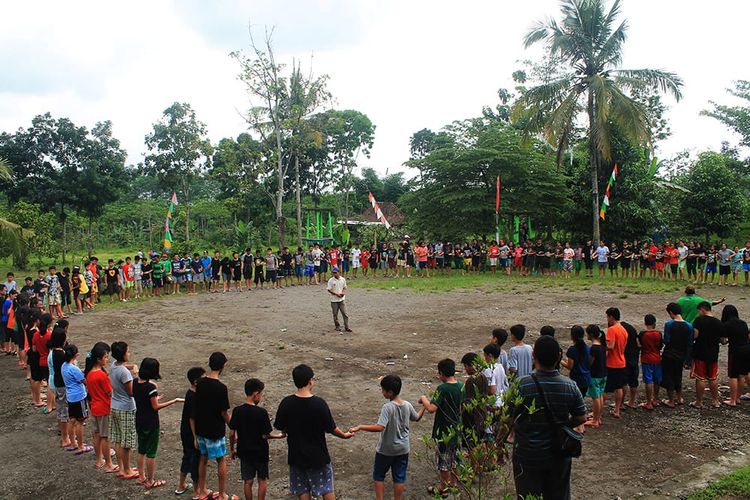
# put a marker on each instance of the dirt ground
(266, 333)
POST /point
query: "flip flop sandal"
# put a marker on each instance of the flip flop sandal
(666, 403)
(646, 407)
(132, 476)
(181, 491)
(86, 449)
(697, 407)
(208, 495)
(71, 448)
(150, 485)
(115, 468)
(99, 466)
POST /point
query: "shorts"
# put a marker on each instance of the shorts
(157, 282)
(746, 267)
(447, 457)
(258, 276)
(148, 442)
(660, 266)
(567, 266)
(671, 376)
(602, 266)
(705, 370)
(613, 264)
(78, 410)
(504, 262)
(467, 263)
(53, 299)
(617, 378)
(122, 428)
(247, 273)
(298, 271)
(318, 482)
(625, 264)
(724, 270)
(422, 265)
(673, 268)
(632, 372)
(400, 262)
(646, 264)
(356, 264)
(493, 262)
(226, 277)
(9, 334)
(188, 278)
(682, 264)
(309, 271)
(65, 299)
(112, 288)
(397, 464)
(62, 404)
(651, 373)
(249, 470)
(214, 449)
(596, 388)
(101, 426)
(738, 361)
(288, 272)
(128, 284)
(384, 264)
(344, 266)
(39, 373)
(439, 262)
(710, 268)
(271, 275)
(199, 277)
(215, 278)
(392, 264)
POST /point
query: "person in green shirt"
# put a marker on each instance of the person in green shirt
(689, 303)
(157, 276)
(446, 404)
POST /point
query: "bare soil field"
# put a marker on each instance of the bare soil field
(266, 333)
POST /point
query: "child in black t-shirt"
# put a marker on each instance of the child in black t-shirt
(190, 455)
(251, 430)
(147, 406)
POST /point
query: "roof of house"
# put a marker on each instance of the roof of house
(391, 212)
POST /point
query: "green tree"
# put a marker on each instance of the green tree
(39, 237)
(736, 118)
(589, 39)
(179, 152)
(456, 196)
(715, 205)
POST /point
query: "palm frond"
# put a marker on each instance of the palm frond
(610, 52)
(537, 33)
(600, 129)
(6, 172)
(665, 81)
(630, 116)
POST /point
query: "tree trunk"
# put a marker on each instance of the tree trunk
(91, 238)
(594, 166)
(64, 234)
(186, 192)
(298, 189)
(280, 190)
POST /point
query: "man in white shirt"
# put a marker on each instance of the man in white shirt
(356, 264)
(602, 257)
(337, 289)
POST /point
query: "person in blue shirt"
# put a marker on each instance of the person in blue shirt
(207, 272)
(197, 273)
(75, 392)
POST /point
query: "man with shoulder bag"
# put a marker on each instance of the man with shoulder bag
(545, 440)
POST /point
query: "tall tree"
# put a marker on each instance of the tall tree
(736, 118)
(179, 151)
(590, 40)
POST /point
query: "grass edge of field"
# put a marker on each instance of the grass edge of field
(736, 484)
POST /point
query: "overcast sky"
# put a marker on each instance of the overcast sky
(406, 64)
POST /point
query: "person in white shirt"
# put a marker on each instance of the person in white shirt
(497, 381)
(337, 289)
(356, 264)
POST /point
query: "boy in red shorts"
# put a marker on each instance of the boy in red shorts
(708, 334)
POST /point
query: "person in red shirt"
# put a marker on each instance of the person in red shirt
(127, 275)
(100, 391)
(651, 342)
(617, 376)
(493, 255)
(39, 346)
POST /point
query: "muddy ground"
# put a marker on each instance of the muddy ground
(266, 333)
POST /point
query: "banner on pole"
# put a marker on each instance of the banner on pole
(607, 194)
(378, 212)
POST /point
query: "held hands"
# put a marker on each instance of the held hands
(355, 429)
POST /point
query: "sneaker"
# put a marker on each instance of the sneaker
(348, 330)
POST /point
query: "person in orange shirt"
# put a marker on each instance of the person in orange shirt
(421, 254)
(617, 377)
(672, 257)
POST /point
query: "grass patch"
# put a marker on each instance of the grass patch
(502, 283)
(736, 484)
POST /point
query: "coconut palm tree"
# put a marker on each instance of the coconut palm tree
(590, 40)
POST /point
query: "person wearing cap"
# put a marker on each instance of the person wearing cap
(689, 303)
(337, 289)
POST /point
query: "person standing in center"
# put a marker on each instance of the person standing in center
(306, 419)
(337, 289)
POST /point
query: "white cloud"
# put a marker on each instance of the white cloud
(408, 65)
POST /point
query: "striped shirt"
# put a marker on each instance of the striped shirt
(533, 434)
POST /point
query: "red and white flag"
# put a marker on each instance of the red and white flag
(378, 212)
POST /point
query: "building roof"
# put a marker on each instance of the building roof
(392, 214)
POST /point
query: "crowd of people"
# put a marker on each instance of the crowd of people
(120, 402)
(74, 290)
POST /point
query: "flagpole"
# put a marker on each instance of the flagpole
(497, 209)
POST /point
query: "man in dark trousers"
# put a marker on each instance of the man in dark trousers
(537, 468)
